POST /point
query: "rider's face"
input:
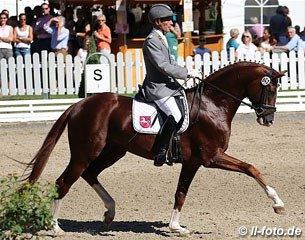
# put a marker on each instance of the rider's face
(165, 24)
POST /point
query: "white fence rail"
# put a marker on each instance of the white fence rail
(47, 74)
(51, 109)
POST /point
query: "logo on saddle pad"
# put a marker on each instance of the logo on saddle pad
(145, 121)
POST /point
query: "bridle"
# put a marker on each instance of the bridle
(261, 108)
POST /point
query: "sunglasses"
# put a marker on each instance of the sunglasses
(164, 19)
(246, 36)
(45, 8)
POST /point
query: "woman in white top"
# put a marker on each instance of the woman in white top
(246, 50)
(83, 52)
(6, 37)
(23, 36)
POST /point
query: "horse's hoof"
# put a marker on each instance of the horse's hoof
(56, 231)
(183, 232)
(279, 210)
(108, 219)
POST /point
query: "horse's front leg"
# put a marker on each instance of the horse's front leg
(187, 174)
(224, 161)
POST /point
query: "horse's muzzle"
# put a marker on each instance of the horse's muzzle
(265, 117)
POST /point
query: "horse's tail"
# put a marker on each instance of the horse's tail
(38, 163)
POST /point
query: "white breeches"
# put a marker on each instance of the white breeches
(169, 106)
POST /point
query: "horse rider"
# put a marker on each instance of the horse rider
(160, 83)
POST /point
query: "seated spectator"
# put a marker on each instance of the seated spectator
(59, 35)
(267, 42)
(201, 49)
(232, 43)
(23, 36)
(293, 44)
(246, 49)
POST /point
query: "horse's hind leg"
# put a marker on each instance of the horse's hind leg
(64, 182)
(224, 161)
(108, 157)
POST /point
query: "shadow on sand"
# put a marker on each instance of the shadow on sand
(98, 228)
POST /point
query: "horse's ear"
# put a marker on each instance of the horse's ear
(281, 73)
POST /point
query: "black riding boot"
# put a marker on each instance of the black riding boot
(163, 138)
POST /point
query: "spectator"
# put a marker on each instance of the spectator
(257, 29)
(297, 29)
(201, 49)
(6, 37)
(172, 38)
(83, 52)
(286, 13)
(23, 36)
(246, 49)
(144, 27)
(37, 12)
(10, 20)
(102, 35)
(82, 28)
(302, 34)
(267, 42)
(30, 18)
(42, 40)
(278, 26)
(70, 25)
(294, 43)
(137, 11)
(59, 35)
(232, 43)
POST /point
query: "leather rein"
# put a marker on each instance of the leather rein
(261, 109)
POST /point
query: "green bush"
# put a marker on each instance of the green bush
(24, 213)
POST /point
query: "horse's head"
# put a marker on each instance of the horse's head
(263, 95)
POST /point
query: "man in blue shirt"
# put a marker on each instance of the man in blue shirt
(59, 34)
(294, 42)
(201, 49)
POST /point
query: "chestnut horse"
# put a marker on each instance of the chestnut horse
(100, 133)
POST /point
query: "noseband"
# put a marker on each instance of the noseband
(261, 109)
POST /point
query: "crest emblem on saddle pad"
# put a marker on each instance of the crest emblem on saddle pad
(145, 121)
(266, 81)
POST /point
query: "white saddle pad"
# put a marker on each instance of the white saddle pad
(145, 120)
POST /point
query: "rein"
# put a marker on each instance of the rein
(259, 109)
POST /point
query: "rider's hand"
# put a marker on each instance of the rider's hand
(193, 73)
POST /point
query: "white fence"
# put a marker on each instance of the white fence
(47, 74)
(50, 75)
